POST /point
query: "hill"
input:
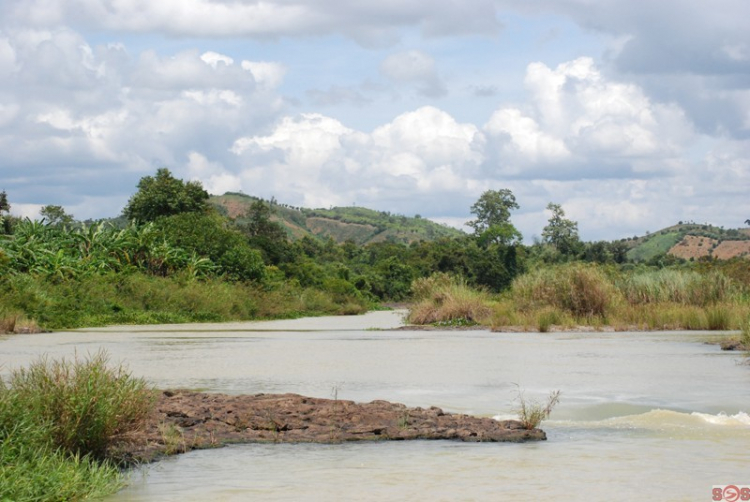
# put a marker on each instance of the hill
(361, 225)
(691, 241)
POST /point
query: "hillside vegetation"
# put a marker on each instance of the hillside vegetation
(357, 224)
(690, 241)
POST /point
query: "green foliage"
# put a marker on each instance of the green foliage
(265, 234)
(360, 225)
(4, 204)
(241, 263)
(655, 245)
(492, 225)
(561, 233)
(165, 195)
(56, 215)
(58, 421)
(5, 226)
(89, 407)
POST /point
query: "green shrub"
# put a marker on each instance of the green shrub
(88, 406)
(57, 422)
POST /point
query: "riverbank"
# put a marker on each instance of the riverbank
(184, 420)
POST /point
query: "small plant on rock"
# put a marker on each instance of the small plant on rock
(532, 413)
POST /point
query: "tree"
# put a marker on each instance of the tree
(492, 225)
(265, 234)
(56, 215)
(4, 205)
(560, 232)
(165, 195)
(5, 226)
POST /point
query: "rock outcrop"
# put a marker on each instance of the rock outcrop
(186, 420)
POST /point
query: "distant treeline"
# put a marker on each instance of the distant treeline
(172, 256)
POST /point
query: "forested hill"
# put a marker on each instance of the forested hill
(358, 224)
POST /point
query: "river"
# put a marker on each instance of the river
(643, 416)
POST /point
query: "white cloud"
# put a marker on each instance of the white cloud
(214, 58)
(316, 160)
(576, 117)
(267, 74)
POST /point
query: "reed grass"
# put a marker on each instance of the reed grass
(576, 294)
(449, 301)
(532, 413)
(678, 286)
(581, 290)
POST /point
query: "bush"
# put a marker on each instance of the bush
(57, 423)
(88, 407)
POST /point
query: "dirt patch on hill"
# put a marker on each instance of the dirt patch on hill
(692, 246)
(234, 208)
(695, 247)
(731, 249)
(185, 420)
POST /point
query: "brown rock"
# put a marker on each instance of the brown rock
(184, 420)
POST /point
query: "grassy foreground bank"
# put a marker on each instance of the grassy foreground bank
(574, 295)
(28, 303)
(60, 426)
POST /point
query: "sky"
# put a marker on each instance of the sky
(633, 115)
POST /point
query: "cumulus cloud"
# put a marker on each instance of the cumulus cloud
(83, 118)
(316, 160)
(692, 52)
(78, 119)
(575, 117)
(416, 68)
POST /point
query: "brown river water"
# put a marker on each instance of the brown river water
(643, 416)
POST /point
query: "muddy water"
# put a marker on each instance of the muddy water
(651, 416)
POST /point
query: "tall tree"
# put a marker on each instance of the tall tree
(4, 205)
(56, 215)
(5, 226)
(165, 195)
(265, 233)
(561, 232)
(492, 224)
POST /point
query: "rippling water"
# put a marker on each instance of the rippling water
(652, 416)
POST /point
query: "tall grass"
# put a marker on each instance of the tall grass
(596, 296)
(58, 421)
(677, 286)
(582, 290)
(443, 299)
